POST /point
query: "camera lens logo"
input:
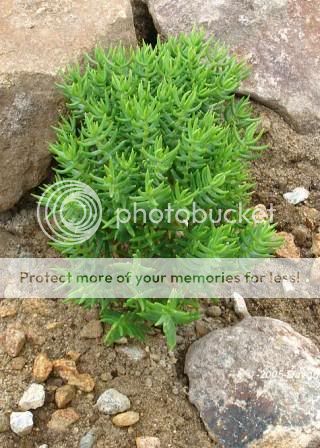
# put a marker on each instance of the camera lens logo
(69, 212)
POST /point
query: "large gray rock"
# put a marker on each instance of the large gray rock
(278, 38)
(37, 39)
(257, 385)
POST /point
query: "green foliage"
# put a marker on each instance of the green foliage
(155, 126)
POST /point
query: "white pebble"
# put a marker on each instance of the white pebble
(297, 195)
(88, 440)
(21, 423)
(239, 305)
(33, 397)
(113, 402)
(134, 353)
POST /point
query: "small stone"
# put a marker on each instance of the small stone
(8, 311)
(18, 363)
(239, 305)
(288, 248)
(134, 353)
(64, 395)
(297, 195)
(301, 234)
(316, 245)
(88, 440)
(4, 423)
(62, 419)
(214, 311)
(33, 397)
(44, 446)
(126, 419)
(42, 368)
(54, 325)
(112, 402)
(67, 370)
(201, 329)
(14, 341)
(35, 337)
(106, 376)
(92, 330)
(149, 382)
(311, 216)
(21, 423)
(82, 381)
(148, 442)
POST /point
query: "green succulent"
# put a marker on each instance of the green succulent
(152, 127)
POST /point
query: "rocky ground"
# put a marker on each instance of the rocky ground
(148, 375)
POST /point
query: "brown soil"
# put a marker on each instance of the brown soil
(155, 385)
(292, 160)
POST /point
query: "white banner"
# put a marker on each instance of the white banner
(159, 278)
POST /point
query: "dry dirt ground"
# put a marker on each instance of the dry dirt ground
(156, 384)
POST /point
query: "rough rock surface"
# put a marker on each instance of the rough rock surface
(124, 419)
(37, 40)
(278, 38)
(21, 423)
(33, 397)
(42, 368)
(64, 395)
(62, 419)
(239, 305)
(67, 370)
(112, 402)
(288, 248)
(14, 341)
(88, 440)
(134, 353)
(256, 385)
